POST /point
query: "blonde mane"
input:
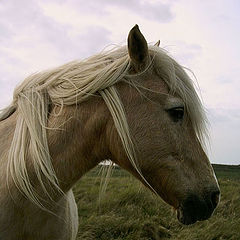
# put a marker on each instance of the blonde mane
(74, 83)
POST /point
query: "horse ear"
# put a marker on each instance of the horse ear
(157, 44)
(138, 49)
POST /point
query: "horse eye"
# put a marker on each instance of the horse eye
(176, 113)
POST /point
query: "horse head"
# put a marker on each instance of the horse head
(166, 120)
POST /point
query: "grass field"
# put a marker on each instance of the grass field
(129, 211)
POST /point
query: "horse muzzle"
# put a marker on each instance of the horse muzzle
(195, 209)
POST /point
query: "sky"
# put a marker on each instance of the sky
(203, 36)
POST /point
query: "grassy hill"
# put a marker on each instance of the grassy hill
(227, 171)
(129, 211)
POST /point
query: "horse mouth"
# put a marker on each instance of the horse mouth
(189, 215)
(195, 208)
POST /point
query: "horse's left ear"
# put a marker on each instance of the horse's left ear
(138, 49)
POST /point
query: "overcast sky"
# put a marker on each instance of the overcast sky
(202, 35)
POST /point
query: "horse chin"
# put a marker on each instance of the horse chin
(184, 217)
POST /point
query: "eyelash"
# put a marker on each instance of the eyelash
(176, 113)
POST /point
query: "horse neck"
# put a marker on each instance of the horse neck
(78, 139)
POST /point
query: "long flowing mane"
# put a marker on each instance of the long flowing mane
(74, 83)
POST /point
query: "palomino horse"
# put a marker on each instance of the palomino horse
(134, 105)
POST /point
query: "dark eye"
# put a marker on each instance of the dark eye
(176, 113)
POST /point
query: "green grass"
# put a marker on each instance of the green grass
(129, 211)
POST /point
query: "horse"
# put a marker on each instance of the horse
(134, 105)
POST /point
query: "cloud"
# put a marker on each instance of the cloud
(225, 134)
(185, 53)
(203, 36)
(32, 28)
(151, 10)
(224, 115)
(32, 41)
(118, 17)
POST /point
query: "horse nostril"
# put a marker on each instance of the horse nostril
(215, 197)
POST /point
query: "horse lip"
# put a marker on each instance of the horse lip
(180, 215)
(184, 218)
